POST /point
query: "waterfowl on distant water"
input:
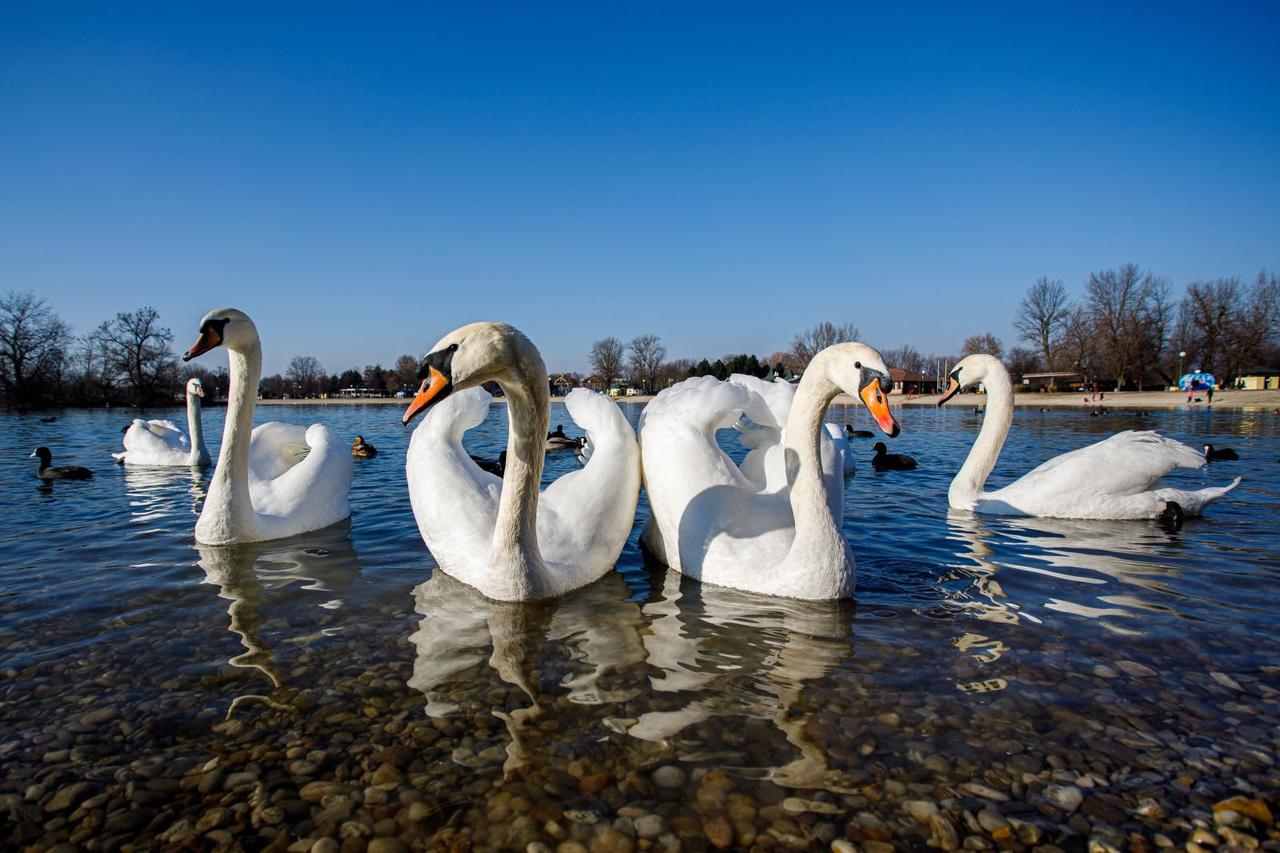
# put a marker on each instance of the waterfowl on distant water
(557, 440)
(504, 537)
(886, 461)
(495, 467)
(65, 472)
(161, 443)
(771, 524)
(850, 432)
(362, 449)
(1225, 454)
(49, 420)
(273, 481)
(1112, 479)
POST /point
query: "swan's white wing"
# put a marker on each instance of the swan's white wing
(300, 475)
(585, 516)
(1110, 479)
(157, 442)
(454, 502)
(700, 499)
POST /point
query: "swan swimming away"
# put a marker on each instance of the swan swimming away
(273, 481)
(1112, 479)
(160, 442)
(46, 471)
(502, 536)
(771, 525)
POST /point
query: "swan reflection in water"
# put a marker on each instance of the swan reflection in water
(722, 652)
(314, 567)
(1079, 560)
(155, 493)
(461, 629)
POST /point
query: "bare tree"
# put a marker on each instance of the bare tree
(1042, 316)
(306, 374)
(1078, 349)
(1118, 301)
(906, 357)
(1212, 308)
(405, 373)
(810, 342)
(607, 360)
(985, 342)
(1022, 361)
(645, 361)
(1258, 325)
(33, 343)
(137, 348)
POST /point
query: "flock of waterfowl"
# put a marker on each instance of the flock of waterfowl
(771, 524)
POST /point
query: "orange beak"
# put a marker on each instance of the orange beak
(953, 388)
(209, 338)
(428, 392)
(877, 403)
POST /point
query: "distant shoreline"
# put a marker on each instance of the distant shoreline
(1113, 400)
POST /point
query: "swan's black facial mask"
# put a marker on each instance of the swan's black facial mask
(436, 373)
(953, 387)
(873, 389)
(210, 336)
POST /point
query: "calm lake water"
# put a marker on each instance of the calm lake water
(1005, 683)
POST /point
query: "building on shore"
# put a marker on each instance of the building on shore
(1258, 379)
(911, 383)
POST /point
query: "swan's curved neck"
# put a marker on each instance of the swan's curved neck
(966, 488)
(515, 532)
(195, 429)
(817, 529)
(229, 488)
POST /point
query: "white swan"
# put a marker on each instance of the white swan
(162, 443)
(274, 481)
(499, 535)
(1112, 479)
(772, 525)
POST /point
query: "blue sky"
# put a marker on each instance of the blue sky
(362, 181)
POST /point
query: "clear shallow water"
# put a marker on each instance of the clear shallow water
(322, 686)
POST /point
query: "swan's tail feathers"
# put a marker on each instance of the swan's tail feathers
(119, 457)
(457, 413)
(1193, 502)
(599, 416)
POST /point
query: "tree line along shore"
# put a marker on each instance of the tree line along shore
(1123, 331)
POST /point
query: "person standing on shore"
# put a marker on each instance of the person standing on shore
(1210, 392)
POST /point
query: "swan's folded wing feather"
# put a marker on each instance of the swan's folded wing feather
(1127, 463)
(315, 486)
(585, 516)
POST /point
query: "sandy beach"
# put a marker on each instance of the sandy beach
(1114, 400)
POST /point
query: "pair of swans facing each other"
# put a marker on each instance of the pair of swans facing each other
(273, 481)
(777, 514)
(1113, 479)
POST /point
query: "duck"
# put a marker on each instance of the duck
(557, 440)
(502, 536)
(1224, 454)
(1115, 478)
(49, 420)
(275, 480)
(886, 461)
(158, 443)
(771, 525)
(362, 449)
(494, 467)
(65, 472)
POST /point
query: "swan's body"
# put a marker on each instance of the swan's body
(160, 442)
(773, 524)
(840, 439)
(502, 536)
(1113, 479)
(274, 481)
